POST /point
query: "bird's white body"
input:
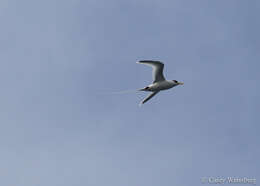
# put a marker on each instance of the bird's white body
(161, 85)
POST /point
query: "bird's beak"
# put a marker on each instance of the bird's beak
(180, 83)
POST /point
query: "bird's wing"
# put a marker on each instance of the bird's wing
(157, 69)
(149, 97)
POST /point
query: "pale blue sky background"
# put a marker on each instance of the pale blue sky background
(58, 129)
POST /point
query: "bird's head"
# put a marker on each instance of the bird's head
(177, 82)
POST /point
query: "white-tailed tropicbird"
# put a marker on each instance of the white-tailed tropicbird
(159, 82)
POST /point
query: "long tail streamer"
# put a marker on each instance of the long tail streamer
(121, 92)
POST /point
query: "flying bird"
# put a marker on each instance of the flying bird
(159, 82)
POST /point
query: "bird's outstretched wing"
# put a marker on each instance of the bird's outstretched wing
(148, 97)
(157, 69)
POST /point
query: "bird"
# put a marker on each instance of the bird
(159, 82)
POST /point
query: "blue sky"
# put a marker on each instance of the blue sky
(59, 126)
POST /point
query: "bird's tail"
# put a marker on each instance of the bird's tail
(121, 92)
(130, 91)
(144, 89)
(126, 91)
